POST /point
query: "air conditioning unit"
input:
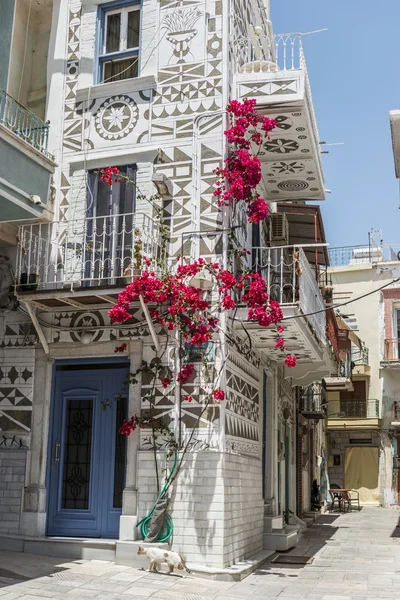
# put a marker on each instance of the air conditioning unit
(279, 229)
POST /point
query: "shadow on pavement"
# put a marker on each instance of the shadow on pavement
(311, 541)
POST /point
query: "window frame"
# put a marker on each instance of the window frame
(122, 7)
(395, 331)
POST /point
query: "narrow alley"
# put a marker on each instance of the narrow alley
(354, 556)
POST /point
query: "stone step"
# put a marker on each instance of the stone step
(281, 539)
(271, 523)
(89, 549)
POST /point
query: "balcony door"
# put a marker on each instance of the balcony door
(86, 450)
(109, 227)
(354, 404)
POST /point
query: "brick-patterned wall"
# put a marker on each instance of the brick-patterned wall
(243, 507)
(332, 331)
(216, 505)
(12, 479)
(391, 296)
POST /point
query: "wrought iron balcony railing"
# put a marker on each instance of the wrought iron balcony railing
(353, 409)
(291, 281)
(392, 350)
(24, 123)
(84, 252)
(360, 356)
(312, 401)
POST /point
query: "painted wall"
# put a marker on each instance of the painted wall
(28, 63)
(26, 175)
(6, 28)
(374, 320)
(350, 283)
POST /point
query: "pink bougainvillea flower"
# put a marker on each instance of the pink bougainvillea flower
(108, 175)
(280, 344)
(290, 361)
(121, 348)
(188, 398)
(165, 382)
(218, 394)
(185, 373)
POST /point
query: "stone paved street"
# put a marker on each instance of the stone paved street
(356, 556)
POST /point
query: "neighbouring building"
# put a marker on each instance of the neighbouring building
(363, 397)
(26, 196)
(143, 87)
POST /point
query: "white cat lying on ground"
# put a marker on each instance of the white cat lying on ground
(157, 556)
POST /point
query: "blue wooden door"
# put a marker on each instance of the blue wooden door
(86, 451)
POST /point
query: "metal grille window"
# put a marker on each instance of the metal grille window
(119, 44)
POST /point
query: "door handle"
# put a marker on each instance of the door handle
(57, 457)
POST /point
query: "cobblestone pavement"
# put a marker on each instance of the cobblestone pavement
(356, 556)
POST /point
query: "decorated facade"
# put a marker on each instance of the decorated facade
(144, 88)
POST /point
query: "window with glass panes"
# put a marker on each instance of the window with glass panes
(119, 47)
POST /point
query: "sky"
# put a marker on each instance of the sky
(355, 81)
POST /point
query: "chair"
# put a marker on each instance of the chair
(345, 501)
(335, 497)
(355, 499)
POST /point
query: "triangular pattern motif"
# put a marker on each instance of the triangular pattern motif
(242, 407)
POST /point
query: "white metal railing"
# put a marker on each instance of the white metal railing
(268, 54)
(291, 280)
(23, 123)
(83, 252)
(271, 54)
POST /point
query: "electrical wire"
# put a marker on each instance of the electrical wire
(342, 303)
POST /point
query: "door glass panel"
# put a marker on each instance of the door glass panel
(77, 454)
(120, 453)
(133, 28)
(113, 33)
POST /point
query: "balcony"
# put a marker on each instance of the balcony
(354, 414)
(291, 281)
(312, 401)
(360, 359)
(26, 166)
(341, 381)
(273, 70)
(391, 354)
(81, 262)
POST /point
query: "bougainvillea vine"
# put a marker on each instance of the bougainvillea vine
(241, 174)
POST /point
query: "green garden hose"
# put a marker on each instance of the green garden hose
(168, 527)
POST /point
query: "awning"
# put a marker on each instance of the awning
(352, 336)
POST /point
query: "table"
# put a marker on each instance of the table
(343, 497)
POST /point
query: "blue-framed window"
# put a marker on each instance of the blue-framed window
(119, 41)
